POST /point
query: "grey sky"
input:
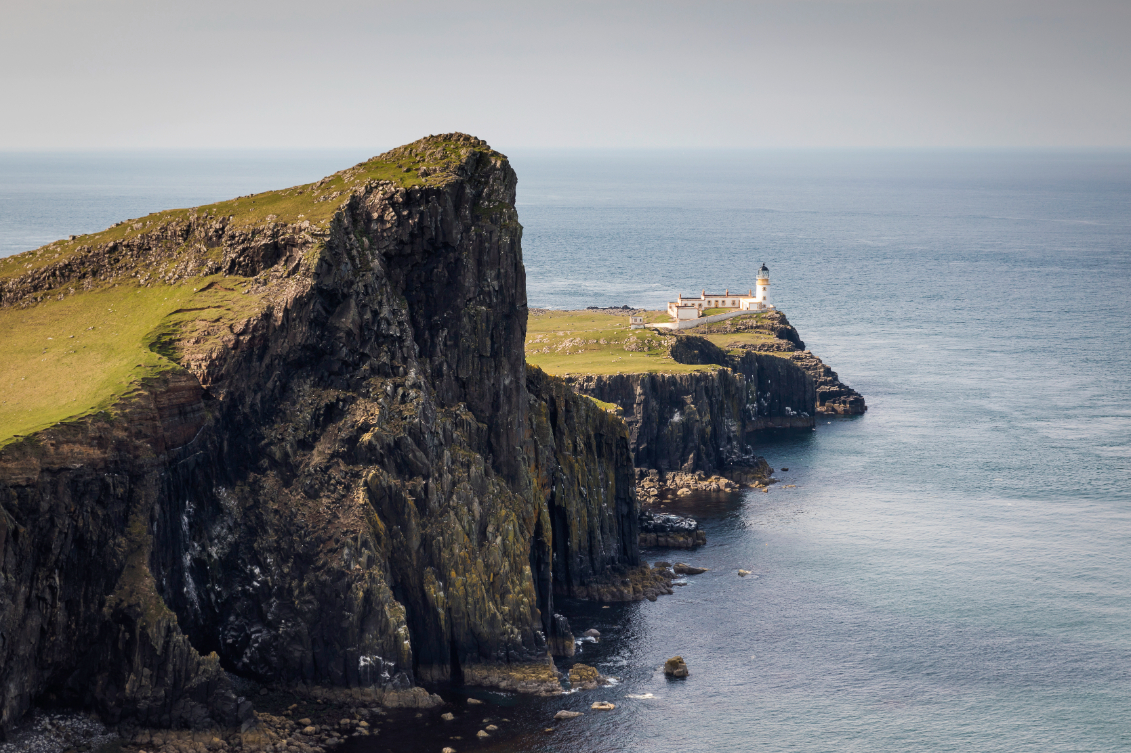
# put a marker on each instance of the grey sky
(123, 73)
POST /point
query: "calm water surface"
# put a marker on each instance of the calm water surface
(949, 572)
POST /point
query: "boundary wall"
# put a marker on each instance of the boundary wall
(689, 323)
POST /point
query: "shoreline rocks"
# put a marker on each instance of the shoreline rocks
(584, 677)
(672, 531)
(653, 487)
(639, 583)
(534, 678)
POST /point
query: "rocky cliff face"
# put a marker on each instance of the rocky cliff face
(833, 396)
(358, 484)
(701, 421)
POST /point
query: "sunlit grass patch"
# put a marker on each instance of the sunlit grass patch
(70, 358)
(585, 342)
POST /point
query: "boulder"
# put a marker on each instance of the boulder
(603, 706)
(676, 667)
(564, 715)
(584, 677)
(684, 569)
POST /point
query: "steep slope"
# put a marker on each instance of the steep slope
(339, 472)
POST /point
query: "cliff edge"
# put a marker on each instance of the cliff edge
(314, 453)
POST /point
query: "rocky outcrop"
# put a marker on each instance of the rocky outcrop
(772, 324)
(357, 484)
(701, 421)
(667, 530)
(834, 397)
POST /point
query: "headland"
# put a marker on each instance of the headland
(272, 468)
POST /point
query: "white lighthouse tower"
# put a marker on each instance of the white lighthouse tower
(761, 293)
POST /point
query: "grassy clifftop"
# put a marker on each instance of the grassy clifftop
(85, 321)
(596, 342)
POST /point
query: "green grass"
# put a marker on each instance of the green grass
(712, 312)
(70, 358)
(607, 407)
(582, 342)
(735, 340)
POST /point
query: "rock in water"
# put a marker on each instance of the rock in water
(676, 667)
(592, 633)
(666, 530)
(603, 706)
(448, 716)
(685, 569)
(584, 677)
(563, 715)
(743, 573)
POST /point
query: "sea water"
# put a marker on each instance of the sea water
(950, 571)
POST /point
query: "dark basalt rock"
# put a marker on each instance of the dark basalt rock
(702, 421)
(834, 397)
(667, 530)
(365, 487)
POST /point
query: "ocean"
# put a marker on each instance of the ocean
(950, 571)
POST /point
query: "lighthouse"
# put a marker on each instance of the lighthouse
(763, 289)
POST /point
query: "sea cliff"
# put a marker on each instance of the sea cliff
(702, 421)
(335, 471)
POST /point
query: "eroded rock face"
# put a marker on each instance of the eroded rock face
(701, 421)
(364, 487)
(834, 397)
(81, 619)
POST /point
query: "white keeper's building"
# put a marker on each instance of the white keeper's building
(756, 299)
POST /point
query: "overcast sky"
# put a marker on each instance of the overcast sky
(343, 73)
